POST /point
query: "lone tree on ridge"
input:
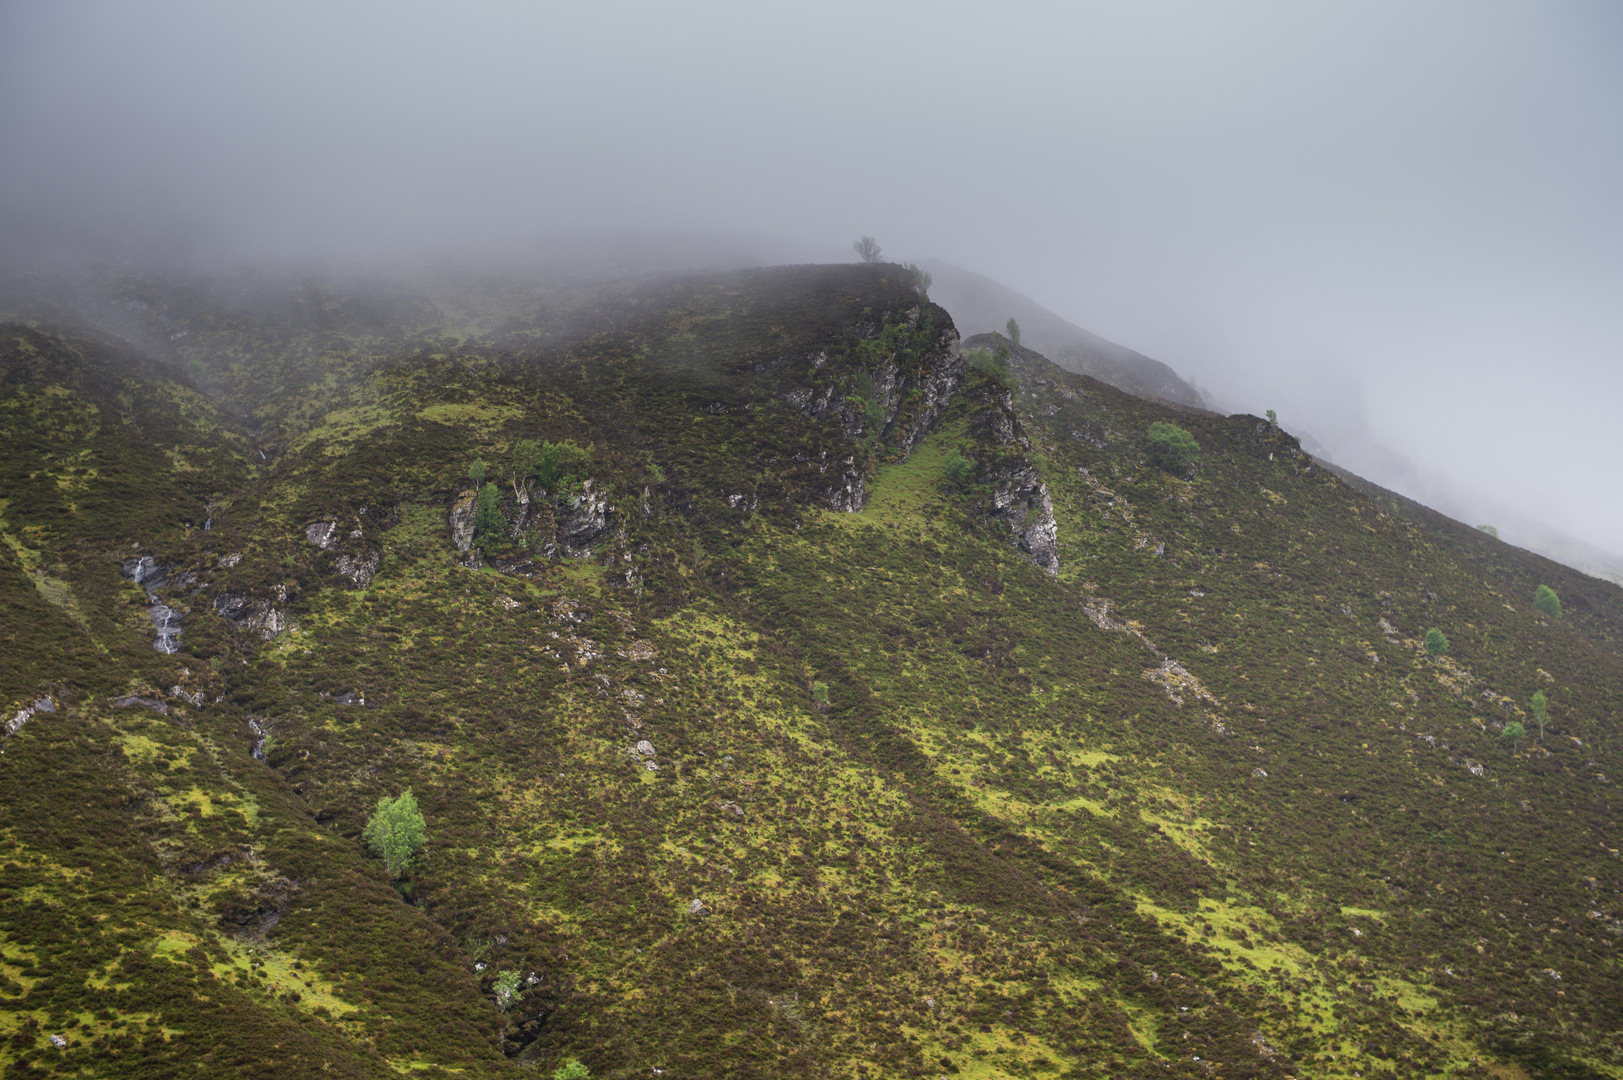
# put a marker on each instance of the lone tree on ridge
(867, 248)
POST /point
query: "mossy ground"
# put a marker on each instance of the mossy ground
(1198, 806)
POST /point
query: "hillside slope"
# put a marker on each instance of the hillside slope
(979, 305)
(848, 706)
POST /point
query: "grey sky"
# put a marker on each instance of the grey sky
(1412, 209)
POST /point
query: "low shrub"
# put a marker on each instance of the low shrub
(1172, 448)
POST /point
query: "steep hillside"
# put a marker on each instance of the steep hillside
(845, 703)
(978, 305)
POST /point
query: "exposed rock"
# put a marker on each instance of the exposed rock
(130, 701)
(1088, 435)
(585, 521)
(257, 616)
(360, 569)
(911, 400)
(323, 534)
(849, 494)
(520, 515)
(462, 521)
(195, 699)
(1179, 682)
(1021, 500)
(14, 725)
(696, 907)
(146, 572)
(927, 395)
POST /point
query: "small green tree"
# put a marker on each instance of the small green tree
(1490, 530)
(1273, 419)
(1514, 733)
(957, 468)
(487, 515)
(867, 249)
(1172, 448)
(994, 365)
(557, 461)
(572, 1070)
(1545, 600)
(1013, 329)
(526, 458)
(396, 830)
(923, 280)
(819, 693)
(476, 472)
(506, 989)
(1436, 642)
(1541, 710)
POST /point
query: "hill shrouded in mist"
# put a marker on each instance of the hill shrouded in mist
(851, 700)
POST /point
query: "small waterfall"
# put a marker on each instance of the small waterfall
(149, 575)
(167, 621)
(262, 738)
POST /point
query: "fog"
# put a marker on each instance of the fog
(1396, 224)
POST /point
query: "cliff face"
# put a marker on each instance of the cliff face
(895, 383)
(836, 707)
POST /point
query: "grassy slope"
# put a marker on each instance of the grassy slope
(1029, 836)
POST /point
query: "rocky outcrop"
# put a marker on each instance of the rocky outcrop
(920, 400)
(141, 701)
(462, 521)
(258, 617)
(360, 569)
(890, 393)
(323, 534)
(353, 559)
(584, 520)
(25, 714)
(539, 526)
(847, 493)
(1021, 501)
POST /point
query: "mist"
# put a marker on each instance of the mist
(1396, 225)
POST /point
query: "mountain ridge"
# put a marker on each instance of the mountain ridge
(982, 305)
